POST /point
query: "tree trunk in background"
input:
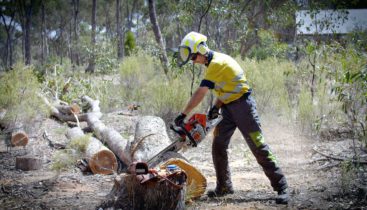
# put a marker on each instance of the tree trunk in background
(8, 58)
(43, 32)
(92, 64)
(27, 39)
(120, 41)
(158, 35)
(76, 34)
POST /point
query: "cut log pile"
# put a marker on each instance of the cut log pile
(108, 147)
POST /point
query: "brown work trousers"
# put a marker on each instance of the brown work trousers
(242, 114)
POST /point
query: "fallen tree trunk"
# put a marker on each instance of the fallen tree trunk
(150, 138)
(114, 140)
(100, 159)
(72, 113)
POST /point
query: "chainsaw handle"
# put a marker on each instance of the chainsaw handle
(181, 130)
(194, 144)
(177, 129)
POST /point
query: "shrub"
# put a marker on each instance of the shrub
(269, 47)
(268, 80)
(143, 82)
(18, 94)
(129, 44)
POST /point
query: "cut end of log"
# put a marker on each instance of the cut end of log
(19, 139)
(103, 162)
(74, 108)
(28, 163)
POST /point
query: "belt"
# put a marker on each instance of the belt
(243, 97)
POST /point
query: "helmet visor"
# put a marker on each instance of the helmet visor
(184, 55)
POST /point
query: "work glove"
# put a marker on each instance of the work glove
(180, 119)
(213, 113)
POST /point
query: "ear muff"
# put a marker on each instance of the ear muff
(202, 48)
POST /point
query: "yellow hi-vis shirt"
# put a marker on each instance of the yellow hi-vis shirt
(228, 77)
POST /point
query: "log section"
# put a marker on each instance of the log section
(150, 138)
(100, 159)
(28, 163)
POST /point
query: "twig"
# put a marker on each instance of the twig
(328, 166)
(339, 158)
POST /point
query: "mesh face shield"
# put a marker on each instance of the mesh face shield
(184, 55)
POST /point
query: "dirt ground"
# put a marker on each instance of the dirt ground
(315, 182)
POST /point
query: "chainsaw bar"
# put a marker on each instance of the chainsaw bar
(174, 147)
(191, 137)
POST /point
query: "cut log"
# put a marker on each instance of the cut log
(150, 138)
(18, 136)
(100, 159)
(114, 140)
(68, 110)
(128, 193)
(28, 163)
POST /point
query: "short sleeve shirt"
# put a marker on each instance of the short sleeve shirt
(225, 76)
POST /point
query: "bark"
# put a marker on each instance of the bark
(72, 113)
(120, 40)
(111, 137)
(9, 44)
(27, 39)
(108, 135)
(76, 33)
(100, 159)
(158, 36)
(150, 138)
(92, 64)
(43, 31)
(28, 163)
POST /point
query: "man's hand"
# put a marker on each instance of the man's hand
(213, 112)
(180, 119)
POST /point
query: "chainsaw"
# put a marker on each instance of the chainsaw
(190, 134)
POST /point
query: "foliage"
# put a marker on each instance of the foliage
(65, 159)
(269, 47)
(144, 83)
(306, 112)
(268, 80)
(18, 94)
(104, 53)
(129, 43)
(80, 144)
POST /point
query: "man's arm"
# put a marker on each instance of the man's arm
(196, 98)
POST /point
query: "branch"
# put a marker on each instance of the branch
(204, 14)
(339, 158)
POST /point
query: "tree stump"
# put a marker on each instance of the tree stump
(28, 163)
(128, 193)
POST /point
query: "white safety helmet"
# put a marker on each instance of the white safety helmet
(191, 44)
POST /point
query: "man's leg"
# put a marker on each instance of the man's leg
(222, 136)
(247, 121)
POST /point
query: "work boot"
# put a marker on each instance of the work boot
(219, 192)
(283, 197)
